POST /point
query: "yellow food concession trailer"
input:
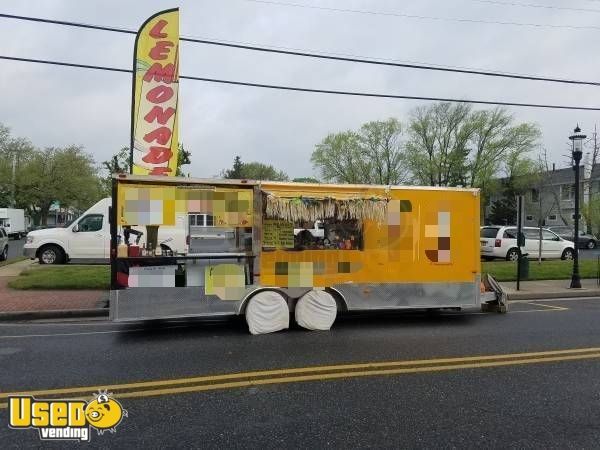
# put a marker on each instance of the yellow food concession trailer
(271, 250)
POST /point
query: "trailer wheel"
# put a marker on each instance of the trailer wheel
(51, 254)
(316, 310)
(267, 312)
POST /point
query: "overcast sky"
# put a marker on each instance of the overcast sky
(55, 106)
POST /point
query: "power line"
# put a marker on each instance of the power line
(393, 64)
(536, 5)
(316, 91)
(420, 17)
(333, 57)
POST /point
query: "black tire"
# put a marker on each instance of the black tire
(591, 244)
(51, 254)
(513, 254)
(4, 254)
(567, 254)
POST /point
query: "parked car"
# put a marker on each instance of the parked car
(501, 242)
(3, 244)
(584, 241)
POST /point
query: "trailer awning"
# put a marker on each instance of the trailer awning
(302, 206)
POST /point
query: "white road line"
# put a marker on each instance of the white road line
(560, 299)
(88, 332)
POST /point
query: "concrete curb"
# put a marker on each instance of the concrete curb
(53, 314)
(575, 293)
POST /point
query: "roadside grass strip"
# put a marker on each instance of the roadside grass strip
(63, 277)
(314, 373)
(547, 270)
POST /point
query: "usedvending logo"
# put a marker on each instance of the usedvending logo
(59, 419)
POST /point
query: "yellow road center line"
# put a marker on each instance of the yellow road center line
(341, 375)
(314, 369)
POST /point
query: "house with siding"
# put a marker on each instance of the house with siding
(552, 197)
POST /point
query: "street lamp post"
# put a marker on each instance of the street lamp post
(577, 139)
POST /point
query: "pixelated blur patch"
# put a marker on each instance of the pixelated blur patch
(399, 230)
(148, 206)
(281, 268)
(226, 281)
(319, 267)
(300, 274)
(343, 267)
(349, 267)
(439, 233)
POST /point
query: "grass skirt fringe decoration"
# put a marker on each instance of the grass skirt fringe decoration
(311, 209)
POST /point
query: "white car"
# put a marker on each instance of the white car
(501, 242)
(3, 244)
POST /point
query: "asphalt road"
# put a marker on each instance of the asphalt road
(589, 254)
(482, 399)
(15, 248)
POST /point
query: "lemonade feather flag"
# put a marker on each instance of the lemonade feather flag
(155, 94)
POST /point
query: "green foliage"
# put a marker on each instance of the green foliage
(305, 180)
(373, 155)
(120, 163)
(63, 175)
(452, 145)
(42, 177)
(591, 212)
(504, 211)
(183, 159)
(253, 171)
(235, 173)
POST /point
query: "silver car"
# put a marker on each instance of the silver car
(3, 244)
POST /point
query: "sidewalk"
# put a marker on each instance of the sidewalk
(17, 304)
(530, 290)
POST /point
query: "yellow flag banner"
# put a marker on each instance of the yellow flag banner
(155, 96)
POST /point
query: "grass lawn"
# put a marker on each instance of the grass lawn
(63, 277)
(547, 270)
(12, 260)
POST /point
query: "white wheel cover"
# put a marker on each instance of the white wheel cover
(316, 310)
(267, 312)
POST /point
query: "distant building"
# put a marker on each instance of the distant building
(554, 196)
(59, 217)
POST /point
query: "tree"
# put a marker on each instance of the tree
(235, 173)
(503, 211)
(452, 145)
(338, 158)
(253, 171)
(305, 180)
(64, 175)
(14, 153)
(380, 144)
(120, 163)
(437, 148)
(372, 155)
(183, 159)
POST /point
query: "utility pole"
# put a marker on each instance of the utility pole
(590, 185)
(14, 181)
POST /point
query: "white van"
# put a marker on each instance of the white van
(501, 242)
(87, 238)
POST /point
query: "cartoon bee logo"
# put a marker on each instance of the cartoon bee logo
(104, 412)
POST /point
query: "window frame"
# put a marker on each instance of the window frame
(80, 221)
